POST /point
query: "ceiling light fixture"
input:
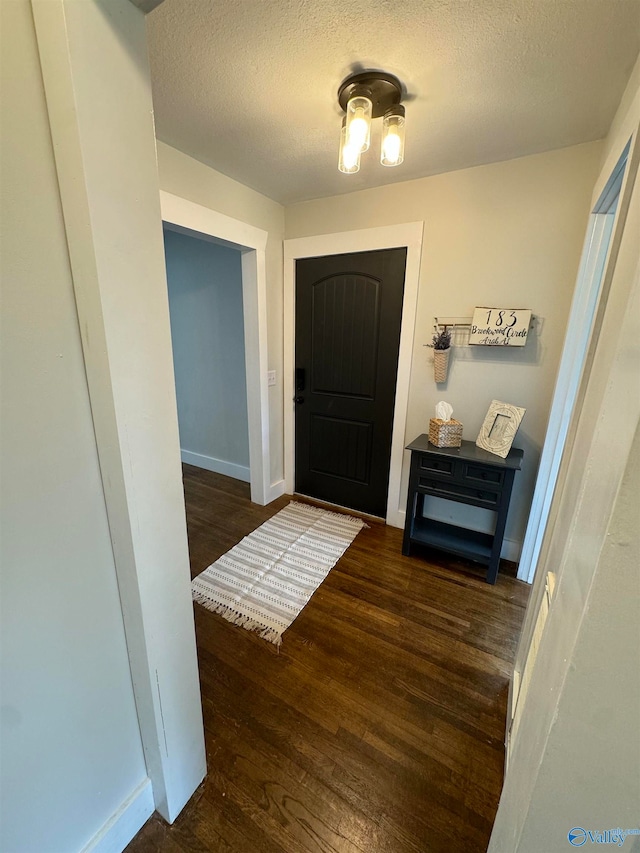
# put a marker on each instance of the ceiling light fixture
(363, 97)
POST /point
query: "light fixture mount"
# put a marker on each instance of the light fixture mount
(383, 90)
(365, 96)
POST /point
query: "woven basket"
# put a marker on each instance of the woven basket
(445, 433)
(441, 364)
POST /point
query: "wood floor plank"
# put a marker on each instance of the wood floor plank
(379, 724)
(299, 802)
(307, 744)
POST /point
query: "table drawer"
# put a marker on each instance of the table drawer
(481, 474)
(459, 491)
(437, 465)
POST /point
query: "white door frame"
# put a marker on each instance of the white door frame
(567, 383)
(191, 217)
(603, 405)
(407, 235)
(595, 260)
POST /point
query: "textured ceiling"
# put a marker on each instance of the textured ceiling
(249, 87)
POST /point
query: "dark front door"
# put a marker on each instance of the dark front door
(348, 315)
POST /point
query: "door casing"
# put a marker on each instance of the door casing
(188, 217)
(407, 235)
(599, 248)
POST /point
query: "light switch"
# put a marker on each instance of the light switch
(271, 377)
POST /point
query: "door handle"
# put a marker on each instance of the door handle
(298, 399)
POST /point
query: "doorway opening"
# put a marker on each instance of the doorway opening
(348, 315)
(406, 236)
(204, 280)
(187, 218)
(551, 533)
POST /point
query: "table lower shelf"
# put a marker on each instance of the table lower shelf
(455, 540)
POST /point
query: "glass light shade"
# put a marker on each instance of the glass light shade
(392, 151)
(349, 156)
(359, 122)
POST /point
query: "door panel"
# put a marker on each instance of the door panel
(350, 442)
(348, 316)
(345, 335)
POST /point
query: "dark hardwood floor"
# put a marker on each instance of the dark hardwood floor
(378, 727)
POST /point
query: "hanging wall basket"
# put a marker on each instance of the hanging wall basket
(441, 364)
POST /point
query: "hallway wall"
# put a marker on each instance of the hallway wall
(575, 759)
(69, 734)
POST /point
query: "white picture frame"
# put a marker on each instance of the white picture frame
(499, 428)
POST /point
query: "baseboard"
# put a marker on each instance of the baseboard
(125, 822)
(276, 490)
(219, 466)
(511, 550)
(396, 519)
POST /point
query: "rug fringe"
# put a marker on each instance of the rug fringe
(271, 635)
(343, 516)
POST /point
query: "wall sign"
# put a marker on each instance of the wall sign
(500, 327)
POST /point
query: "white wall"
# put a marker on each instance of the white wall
(575, 759)
(70, 741)
(98, 91)
(185, 177)
(207, 335)
(507, 234)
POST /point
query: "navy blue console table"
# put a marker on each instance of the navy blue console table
(468, 475)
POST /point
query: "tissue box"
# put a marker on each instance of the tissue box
(445, 433)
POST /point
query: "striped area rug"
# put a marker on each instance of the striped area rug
(264, 581)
